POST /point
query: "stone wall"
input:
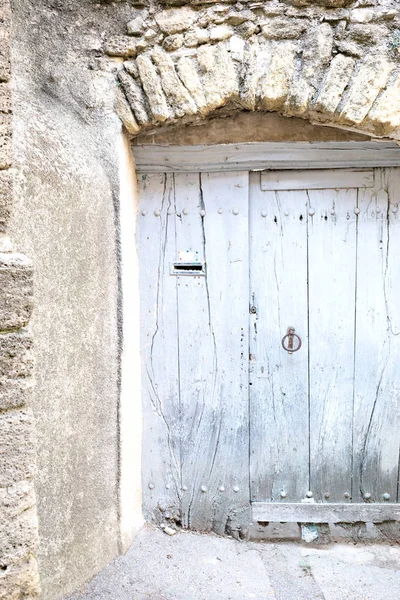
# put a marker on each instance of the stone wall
(330, 61)
(18, 522)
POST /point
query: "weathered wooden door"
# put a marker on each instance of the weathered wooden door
(231, 263)
(193, 240)
(324, 263)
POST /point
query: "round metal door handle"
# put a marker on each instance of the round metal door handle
(288, 341)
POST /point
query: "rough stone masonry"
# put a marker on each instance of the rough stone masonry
(330, 61)
(18, 522)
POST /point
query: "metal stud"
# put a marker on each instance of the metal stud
(157, 212)
(235, 211)
(346, 495)
(170, 211)
(220, 211)
(151, 486)
(236, 489)
(332, 211)
(327, 495)
(386, 496)
(309, 494)
(263, 213)
(311, 212)
(203, 488)
(144, 212)
(202, 212)
(367, 496)
(286, 213)
(395, 208)
(357, 211)
(378, 209)
(167, 487)
(185, 211)
(283, 494)
(184, 488)
(221, 488)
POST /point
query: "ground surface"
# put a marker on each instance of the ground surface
(205, 567)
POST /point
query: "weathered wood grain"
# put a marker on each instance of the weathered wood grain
(331, 271)
(159, 343)
(260, 156)
(324, 512)
(377, 383)
(279, 460)
(222, 442)
(320, 179)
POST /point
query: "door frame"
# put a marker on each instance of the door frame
(280, 156)
(264, 156)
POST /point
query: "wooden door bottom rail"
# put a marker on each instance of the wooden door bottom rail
(285, 512)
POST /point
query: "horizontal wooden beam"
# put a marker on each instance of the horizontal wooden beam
(262, 156)
(324, 513)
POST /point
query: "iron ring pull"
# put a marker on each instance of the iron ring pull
(288, 339)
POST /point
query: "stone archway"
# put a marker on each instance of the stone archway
(319, 61)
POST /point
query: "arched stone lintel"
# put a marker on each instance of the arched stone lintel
(161, 89)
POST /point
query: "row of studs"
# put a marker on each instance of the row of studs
(203, 488)
(283, 494)
(264, 213)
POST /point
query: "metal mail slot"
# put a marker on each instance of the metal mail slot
(188, 263)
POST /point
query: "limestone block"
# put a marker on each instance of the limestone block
(236, 47)
(188, 74)
(275, 87)
(136, 26)
(385, 113)
(152, 86)
(135, 97)
(220, 33)
(278, 29)
(5, 53)
(125, 113)
(17, 446)
(196, 36)
(18, 536)
(325, 3)
(177, 95)
(368, 34)
(365, 87)
(362, 15)
(6, 198)
(131, 67)
(5, 98)
(317, 52)
(16, 299)
(246, 30)
(350, 48)
(121, 45)
(16, 369)
(220, 80)
(236, 17)
(173, 42)
(338, 77)
(16, 499)
(20, 581)
(175, 20)
(254, 69)
(5, 141)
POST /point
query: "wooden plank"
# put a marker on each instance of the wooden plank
(267, 155)
(377, 381)
(317, 179)
(324, 513)
(331, 270)
(279, 381)
(213, 351)
(159, 347)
